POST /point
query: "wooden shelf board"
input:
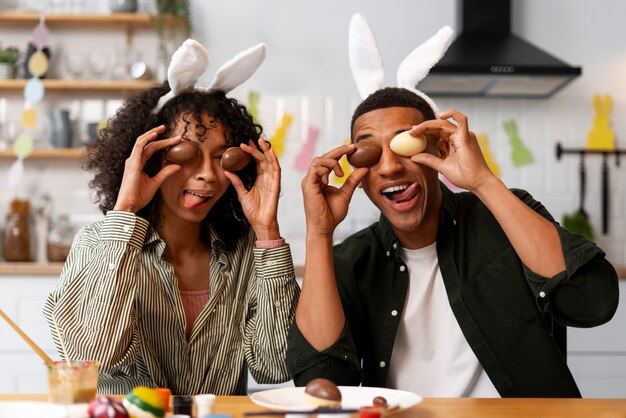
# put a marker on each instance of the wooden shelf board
(81, 85)
(25, 269)
(138, 20)
(49, 153)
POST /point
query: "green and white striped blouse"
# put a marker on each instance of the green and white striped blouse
(118, 302)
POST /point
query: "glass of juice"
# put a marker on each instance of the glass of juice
(72, 383)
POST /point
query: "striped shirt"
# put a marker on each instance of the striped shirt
(117, 301)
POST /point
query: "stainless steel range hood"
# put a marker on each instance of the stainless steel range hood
(487, 60)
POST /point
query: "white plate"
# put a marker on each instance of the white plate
(31, 410)
(353, 397)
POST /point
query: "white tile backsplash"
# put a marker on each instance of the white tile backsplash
(540, 125)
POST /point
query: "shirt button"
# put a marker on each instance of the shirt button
(402, 268)
(395, 245)
(276, 303)
(382, 364)
(387, 253)
(542, 294)
(111, 266)
(126, 228)
(394, 313)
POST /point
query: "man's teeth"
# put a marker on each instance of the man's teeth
(395, 188)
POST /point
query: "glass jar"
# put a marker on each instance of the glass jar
(59, 240)
(16, 238)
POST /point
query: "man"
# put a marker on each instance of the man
(446, 294)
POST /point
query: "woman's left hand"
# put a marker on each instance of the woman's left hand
(260, 203)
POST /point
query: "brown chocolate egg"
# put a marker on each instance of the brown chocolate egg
(322, 393)
(182, 153)
(235, 159)
(366, 155)
(380, 402)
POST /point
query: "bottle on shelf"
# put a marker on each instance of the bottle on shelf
(17, 244)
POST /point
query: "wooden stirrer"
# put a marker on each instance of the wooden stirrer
(25, 337)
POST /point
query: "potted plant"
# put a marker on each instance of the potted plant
(173, 25)
(8, 60)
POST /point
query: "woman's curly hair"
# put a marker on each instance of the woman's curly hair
(107, 156)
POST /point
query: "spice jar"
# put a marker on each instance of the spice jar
(17, 233)
(60, 236)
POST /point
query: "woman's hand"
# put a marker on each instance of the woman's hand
(326, 206)
(137, 188)
(465, 167)
(260, 203)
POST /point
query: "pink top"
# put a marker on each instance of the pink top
(193, 302)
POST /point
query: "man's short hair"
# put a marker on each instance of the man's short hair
(392, 97)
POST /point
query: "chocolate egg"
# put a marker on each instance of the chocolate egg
(366, 154)
(182, 153)
(407, 145)
(235, 159)
(322, 393)
(380, 401)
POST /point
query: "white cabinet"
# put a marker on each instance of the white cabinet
(22, 299)
(597, 356)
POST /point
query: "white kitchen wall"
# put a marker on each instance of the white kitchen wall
(307, 74)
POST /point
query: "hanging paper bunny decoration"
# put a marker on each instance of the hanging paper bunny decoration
(367, 65)
(601, 136)
(191, 60)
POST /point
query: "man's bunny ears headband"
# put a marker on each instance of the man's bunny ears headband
(191, 60)
(367, 64)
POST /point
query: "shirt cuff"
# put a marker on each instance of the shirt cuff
(270, 243)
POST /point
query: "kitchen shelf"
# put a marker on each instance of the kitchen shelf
(78, 86)
(60, 153)
(125, 20)
(26, 269)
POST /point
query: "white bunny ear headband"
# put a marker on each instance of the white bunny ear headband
(191, 60)
(367, 65)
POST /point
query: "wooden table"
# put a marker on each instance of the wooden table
(449, 407)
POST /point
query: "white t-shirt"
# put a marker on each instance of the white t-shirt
(431, 357)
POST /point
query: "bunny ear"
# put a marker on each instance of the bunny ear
(188, 63)
(240, 68)
(365, 59)
(419, 62)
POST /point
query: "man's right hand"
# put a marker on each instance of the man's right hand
(325, 206)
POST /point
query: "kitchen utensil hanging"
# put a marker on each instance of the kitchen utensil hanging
(605, 210)
(605, 194)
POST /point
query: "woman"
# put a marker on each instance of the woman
(186, 283)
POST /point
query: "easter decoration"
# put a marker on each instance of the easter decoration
(106, 407)
(520, 155)
(34, 91)
(483, 141)
(277, 140)
(144, 402)
(367, 66)
(304, 157)
(601, 137)
(254, 97)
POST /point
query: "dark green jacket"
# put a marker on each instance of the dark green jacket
(500, 305)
